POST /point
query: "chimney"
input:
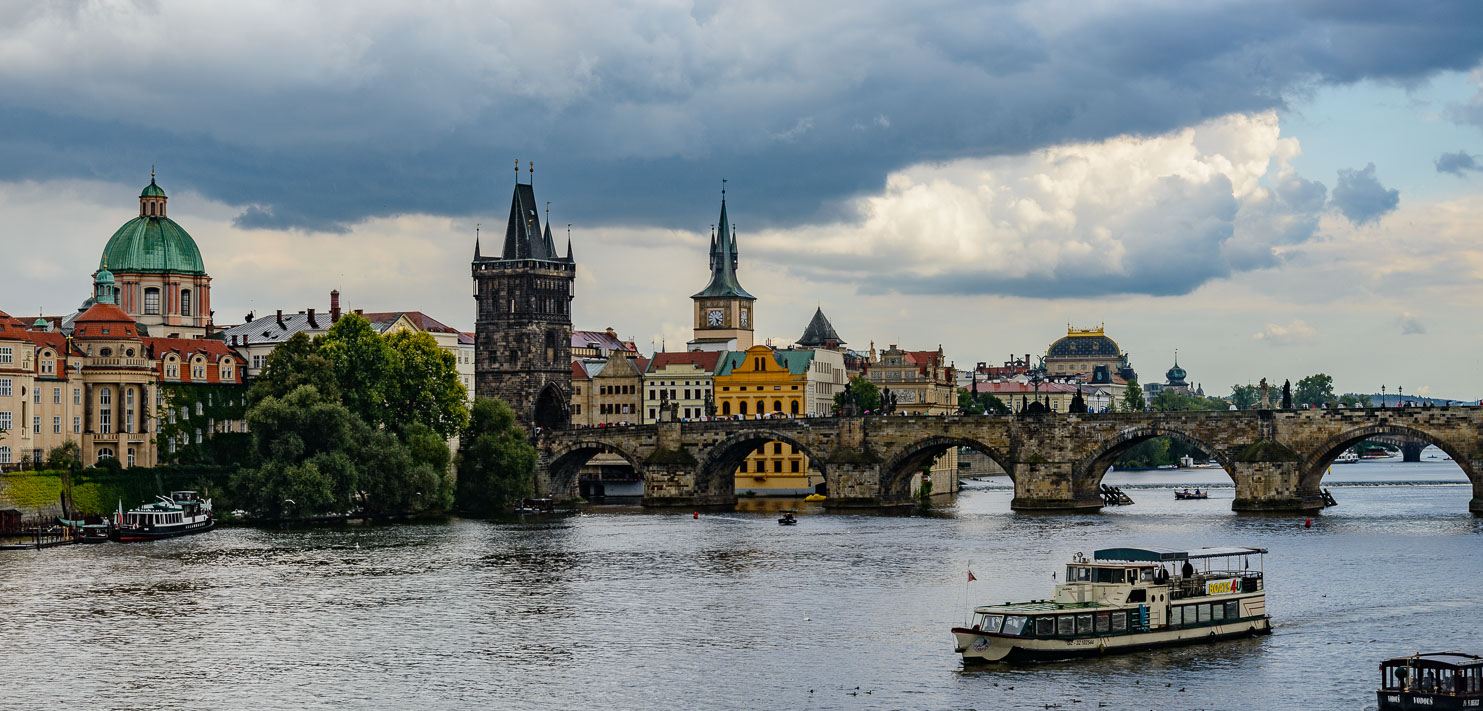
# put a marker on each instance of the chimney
(312, 322)
(280, 318)
(334, 305)
(360, 312)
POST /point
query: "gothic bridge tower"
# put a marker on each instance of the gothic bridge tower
(523, 328)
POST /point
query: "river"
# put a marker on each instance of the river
(626, 609)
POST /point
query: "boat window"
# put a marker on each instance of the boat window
(1084, 574)
(1045, 626)
(1066, 625)
(1103, 623)
(1084, 624)
(1145, 574)
(1014, 624)
(991, 623)
(1138, 595)
(1204, 612)
(1105, 575)
(1176, 615)
(1218, 611)
(1233, 610)
(1119, 622)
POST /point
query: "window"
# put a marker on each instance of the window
(48, 366)
(989, 623)
(777, 466)
(4, 454)
(1119, 622)
(1066, 625)
(131, 456)
(1045, 626)
(7, 355)
(56, 396)
(56, 425)
(199, 411)
(1084, 624)
(1204, 613)
(777, 447)
(36, 425)
(104, 453)
(1218, 612)
(185, 302)
(5, 387)
(152, 301)
(795, 466)
(198, 435)
(77, 425)
(1014, 624)
(5, 423)
(1176, 615)
(76, 396)
(1233, 610)
(36, 395)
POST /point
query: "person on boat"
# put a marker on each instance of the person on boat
(1188, 570)
(1429, 681)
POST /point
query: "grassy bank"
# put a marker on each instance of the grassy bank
(100, 491)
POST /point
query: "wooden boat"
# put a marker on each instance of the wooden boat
(1127, 599)
(787, 519)
(179, 514)
(1435, 680)
(1196, 494)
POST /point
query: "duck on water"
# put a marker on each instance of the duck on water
(1127, 599)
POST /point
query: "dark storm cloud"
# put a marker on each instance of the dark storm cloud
(1360, 196)
(1456, 163)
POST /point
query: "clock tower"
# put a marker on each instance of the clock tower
(724, 314)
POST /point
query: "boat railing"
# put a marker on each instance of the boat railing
(1198, 585)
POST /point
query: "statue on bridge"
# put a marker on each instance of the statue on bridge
(1287, 394)
(1266, 403)
(1077, 403)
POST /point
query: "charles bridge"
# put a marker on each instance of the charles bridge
(1276, 458)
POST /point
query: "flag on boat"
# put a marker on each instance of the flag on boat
(970, 576)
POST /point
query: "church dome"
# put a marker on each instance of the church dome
(1176, 375)
(1089, 344)
(152, 243)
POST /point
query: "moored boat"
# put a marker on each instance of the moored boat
(179, 514)
(1436, 680)
(1127, 599)
(787, 519)
(1187, 494)
(1348, 457)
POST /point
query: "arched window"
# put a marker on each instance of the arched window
(726, 408)
(741, 407)
(777, 405)
(185, 302)
(105, 453)
(152, 301)
(131, 456)
(795, 407)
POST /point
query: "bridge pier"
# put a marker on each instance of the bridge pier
(1411, 451)
(1051, 487)
(854, 485)
(1476, 505)
(1271, 486)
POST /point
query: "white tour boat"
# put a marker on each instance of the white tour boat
(181, 513)
(1348, 457)
(1127, 599)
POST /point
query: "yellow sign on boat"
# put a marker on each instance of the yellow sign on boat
(1223, 587)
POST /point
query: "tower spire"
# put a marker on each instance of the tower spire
(476, 240)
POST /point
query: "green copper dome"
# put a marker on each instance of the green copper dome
(152, 190)
(152, 245)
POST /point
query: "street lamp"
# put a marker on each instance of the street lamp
(1382, 396)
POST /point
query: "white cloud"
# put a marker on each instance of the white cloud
(1296, 333)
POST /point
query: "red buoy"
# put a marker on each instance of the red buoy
(697, 514)
(1307, 523)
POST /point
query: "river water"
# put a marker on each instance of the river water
(627, 609)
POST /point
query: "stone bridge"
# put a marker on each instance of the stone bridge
(1276, 458)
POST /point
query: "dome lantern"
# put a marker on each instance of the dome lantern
(152, 199)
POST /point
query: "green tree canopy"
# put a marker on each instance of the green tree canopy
(1246, 397)
(363, 363)
(496, 463)
(985, 403)
(1133, 397)
(869, 395)
(1314, 390)
(295, 362)
(422, 385)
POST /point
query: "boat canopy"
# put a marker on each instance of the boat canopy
(1447, 659)
(1160, 555)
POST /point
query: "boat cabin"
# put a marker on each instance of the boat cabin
(1436, 680)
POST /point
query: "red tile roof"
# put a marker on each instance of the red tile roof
(103, 315)
(705, 360)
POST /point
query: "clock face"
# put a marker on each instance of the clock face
(715, 316)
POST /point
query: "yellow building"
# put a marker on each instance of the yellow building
(761, 383)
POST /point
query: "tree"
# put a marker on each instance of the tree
(866, 394)
(295, 362)
(1352, 400)
(422, 385)
(1245, 397)
(66, 456)
(363, 363)
(496, 463)
(1314, 390)
(1133, 397)
(301, 455)
(984, 403)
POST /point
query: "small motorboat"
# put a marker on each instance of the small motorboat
(787, 519)
(1187, 494)
(1436, 680)
(94, 532)
(815, 497)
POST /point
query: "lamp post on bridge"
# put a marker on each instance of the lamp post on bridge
(1382, 396)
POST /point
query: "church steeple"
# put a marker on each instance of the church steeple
(723, 262)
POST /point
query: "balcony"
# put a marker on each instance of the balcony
(139, 363)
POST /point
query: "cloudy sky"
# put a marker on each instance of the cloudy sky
(1272, 188)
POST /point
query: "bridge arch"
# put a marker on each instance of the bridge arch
(901, 466)
(569, 459)
(716, 473)
(1316, 464)
(1092, 468)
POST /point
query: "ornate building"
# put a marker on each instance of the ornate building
(724, 311)
(160, 279)
(1081, 351)
(523, 325)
